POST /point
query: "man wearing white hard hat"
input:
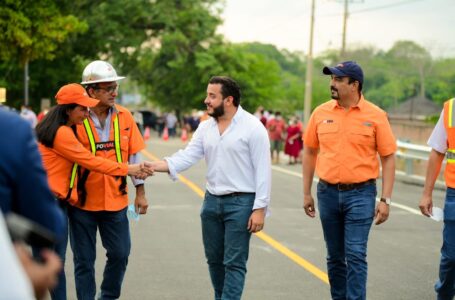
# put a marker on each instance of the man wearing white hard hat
(111, 132)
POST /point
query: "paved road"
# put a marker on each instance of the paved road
(287, 261)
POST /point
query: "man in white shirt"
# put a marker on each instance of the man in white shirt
(235, 146)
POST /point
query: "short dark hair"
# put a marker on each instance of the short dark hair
(229, 87)
(351, 80)
(46, 130)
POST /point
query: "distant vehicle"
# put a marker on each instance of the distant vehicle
(149, 118)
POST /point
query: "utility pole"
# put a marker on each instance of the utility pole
(26, 81)
(345, 25)
(309, 71)
(345, 22)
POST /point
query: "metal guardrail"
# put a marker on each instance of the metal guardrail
(410, 152)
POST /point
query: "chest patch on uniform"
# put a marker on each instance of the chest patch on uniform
(105, 146)
(327, 121)
(367, 123)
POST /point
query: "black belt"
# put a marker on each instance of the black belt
(348, 186)
(235, 194)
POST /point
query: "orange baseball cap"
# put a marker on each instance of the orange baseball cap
(74, 93)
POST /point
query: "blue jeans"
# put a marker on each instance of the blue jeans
(59, 291)
(115, 236)
(226, 241)
(346, 218)
(445, 286)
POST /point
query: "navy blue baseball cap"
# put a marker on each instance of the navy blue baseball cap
(346, 69)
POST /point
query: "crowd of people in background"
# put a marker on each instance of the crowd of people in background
(283, 136)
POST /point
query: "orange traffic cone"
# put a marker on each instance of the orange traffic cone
(147, 133)
(184, 136)
(165, 134)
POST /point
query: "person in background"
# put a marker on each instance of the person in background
(442, 142)
(300, 139)
(160, 124)
(28, 114)
(343, 139)
(171, 124)
(292, 145)
(237, 198)
(64, 158)
(42, 113)
(139, 119)
(276, 127)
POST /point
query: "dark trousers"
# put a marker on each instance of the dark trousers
(115, 237)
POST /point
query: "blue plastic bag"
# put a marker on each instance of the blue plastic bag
(132, 214)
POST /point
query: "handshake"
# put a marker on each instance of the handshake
(147, 168)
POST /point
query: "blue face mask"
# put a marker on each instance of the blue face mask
(132, 214)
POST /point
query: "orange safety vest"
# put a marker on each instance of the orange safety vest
(106, 192)
(94, 146)
(449, 123)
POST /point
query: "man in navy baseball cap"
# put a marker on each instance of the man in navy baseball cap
(346, 69)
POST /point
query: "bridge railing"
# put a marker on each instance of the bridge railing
(410, 153)
(412, 162)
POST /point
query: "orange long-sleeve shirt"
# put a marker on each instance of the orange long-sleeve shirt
(58, 162)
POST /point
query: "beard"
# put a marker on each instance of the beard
(334, 93)
(217, 111)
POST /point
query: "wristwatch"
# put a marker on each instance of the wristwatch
(386, 200)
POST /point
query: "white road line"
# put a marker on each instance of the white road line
(394, 204)
(406, 208)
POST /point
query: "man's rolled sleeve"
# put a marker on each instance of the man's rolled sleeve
(172, 172)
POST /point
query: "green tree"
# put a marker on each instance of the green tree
(34, 29)
(173, 69)
(411, 60)
(31, 30)
(441, 85)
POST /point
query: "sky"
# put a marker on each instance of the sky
(286, 24)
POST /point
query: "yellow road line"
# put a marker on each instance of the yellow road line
(262, 235)
(293, 256)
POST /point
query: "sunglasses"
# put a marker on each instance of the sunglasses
(108, 89)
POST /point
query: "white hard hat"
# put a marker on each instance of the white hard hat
(99, 71)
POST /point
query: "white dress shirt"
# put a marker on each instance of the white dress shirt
(237, 161)
(438, 138)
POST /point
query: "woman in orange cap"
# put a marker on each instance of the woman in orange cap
(61, 150)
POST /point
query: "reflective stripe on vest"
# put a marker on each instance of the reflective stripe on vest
(450, 154)
(91, 139)
(451, 114)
